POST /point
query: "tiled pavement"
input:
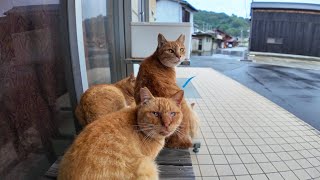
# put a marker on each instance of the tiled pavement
(246, 136)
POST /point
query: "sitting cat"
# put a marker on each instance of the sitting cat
(123, 144)
(158, 74)
(105, 98)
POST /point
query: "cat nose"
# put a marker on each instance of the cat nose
(166, 123)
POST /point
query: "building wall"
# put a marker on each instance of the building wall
(207, 44)
(168, 11)
(286, 31)
(195, 44)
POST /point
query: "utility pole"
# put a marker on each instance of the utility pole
(241, 36)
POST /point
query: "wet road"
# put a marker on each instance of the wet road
(296, 90)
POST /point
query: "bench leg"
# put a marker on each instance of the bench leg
(196, 146)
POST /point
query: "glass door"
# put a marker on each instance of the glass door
(97, 41)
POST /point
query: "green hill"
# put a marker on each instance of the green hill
(229, 24)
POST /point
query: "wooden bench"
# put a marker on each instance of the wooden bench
(173, 164)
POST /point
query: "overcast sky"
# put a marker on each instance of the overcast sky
(237, 7)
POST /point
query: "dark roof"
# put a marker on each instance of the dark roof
(185, 3)
(284, 5)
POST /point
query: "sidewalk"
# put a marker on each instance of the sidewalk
(246, 136)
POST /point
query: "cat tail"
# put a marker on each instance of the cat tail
(194, 122)
(80, 116)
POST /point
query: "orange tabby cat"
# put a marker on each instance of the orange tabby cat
(105, 98)
(123, 144)
(158, 74)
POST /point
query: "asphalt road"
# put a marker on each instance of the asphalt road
(296, 90)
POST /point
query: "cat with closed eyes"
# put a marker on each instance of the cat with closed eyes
(124, 144)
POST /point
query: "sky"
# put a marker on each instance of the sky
(237, 7)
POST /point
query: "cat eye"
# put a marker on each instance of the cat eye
(170, 50)
(172, 114)
(181, 49)
(156, 114)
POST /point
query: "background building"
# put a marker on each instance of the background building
(287, 28)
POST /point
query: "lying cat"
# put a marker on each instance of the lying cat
(105, 98)
(158, 74)
(123, 144)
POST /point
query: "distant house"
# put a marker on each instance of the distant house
(202, 42)
(174, 11)
(286, 28)
(224, 38)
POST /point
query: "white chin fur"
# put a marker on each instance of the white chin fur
(171, 65)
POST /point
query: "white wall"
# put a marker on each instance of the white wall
(168, 11)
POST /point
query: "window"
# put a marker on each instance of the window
(274, 40)
(185, 15)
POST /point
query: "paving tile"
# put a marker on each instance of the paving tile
(239, 169)
(224, 170)
(224, 142)
(293, 165)
(284, 156)
(253, 149)
(247, 158)
(275, 176)
(304, 163)
(243, 177)
(259, 177)
(227, 178)
(231, 135)
(236, 142)
(306, 154)
(253, 168)
(228, 150)
(194, 159)
(241, 149)
(219, 159)
(215, 150)
(289, 175)
(248, 142)
(314, 161)
(272, 156)
(280, 166)
(265, 149)
(260, 158)
(233, 159)
(210, 178)
(204, 159)
(302, 174)
(267, 167)
(220, 135)
(211, 141)
(313, 172)
(196, 170)
(208, 170)
(315, 152)
(295, 155)
(287, 147)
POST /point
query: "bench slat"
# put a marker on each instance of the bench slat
(173, 164)
(177, 172)
(178, 157)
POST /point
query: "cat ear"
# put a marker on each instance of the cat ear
(161, 40)
(177, 97)
(132, 78)
(145, 95)
(181, 38)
